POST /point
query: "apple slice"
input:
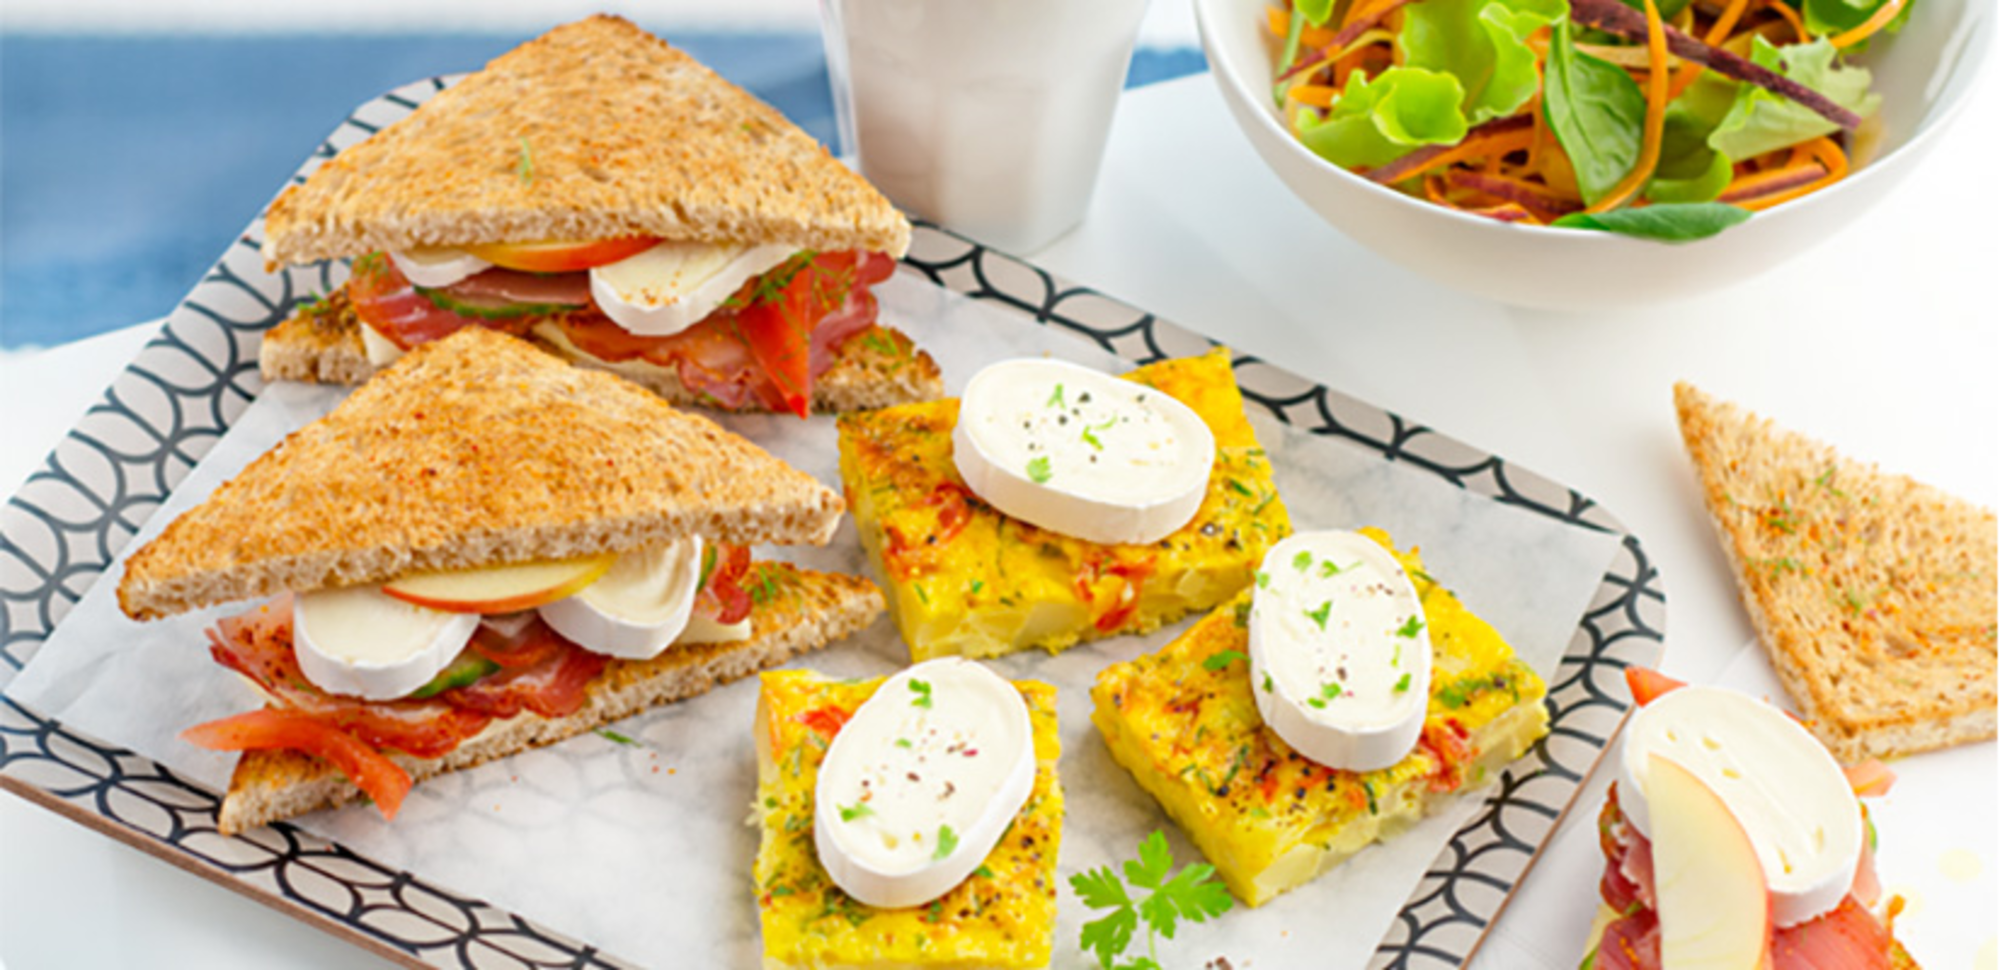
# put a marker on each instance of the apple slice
(1715, 912)
(500, 589)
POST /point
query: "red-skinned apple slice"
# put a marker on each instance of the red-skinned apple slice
(1715, 912)
(561, 257)
(500, 589)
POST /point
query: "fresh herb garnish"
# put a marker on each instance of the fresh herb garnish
(1410, 627)
(1056, 399)
(1192, 894)
(616, 738)
(921, 688)
(1090, 436)
(1222, 660)
(1319, 616)
(1263, 579)
(947, 841)
(1303, 561)
(1403, 685)
(903, 742)
(1038, 469)
(849, 813)
(1267, 683)
(524, 165)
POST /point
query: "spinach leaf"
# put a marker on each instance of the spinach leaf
(1596, 111)
(1760, 121)
(1689, 170)
(1483, 43)
(1376, 122)
(1669, 222)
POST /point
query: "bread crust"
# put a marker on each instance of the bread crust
(473, 450)
(809, 610)
(595, 130)
(881, 366)
(1872, 593)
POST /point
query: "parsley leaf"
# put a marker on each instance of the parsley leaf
(849, 813)
(1191, 894)
(1222, 660)
(947, 842)
(1038, 469)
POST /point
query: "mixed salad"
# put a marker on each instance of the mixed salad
(1666, 119)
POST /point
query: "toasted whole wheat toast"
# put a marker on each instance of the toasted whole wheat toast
(806, 611)
(1873, 593)
(595, 130)
(875, 368)
(473, 450)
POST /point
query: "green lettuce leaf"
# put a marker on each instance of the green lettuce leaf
(1597, 113)
(1674, 222)
(1376, 122)
(1759, 121)
(1826, 17)
(1689, 170)
(1318, 10)
(1483, 43)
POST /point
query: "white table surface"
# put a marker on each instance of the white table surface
(1885, 341)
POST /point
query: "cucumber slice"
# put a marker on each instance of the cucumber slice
(491, 308)
(465, 670)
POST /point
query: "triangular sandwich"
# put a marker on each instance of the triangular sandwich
(483, 550)
(1873, 593)
(600, 192)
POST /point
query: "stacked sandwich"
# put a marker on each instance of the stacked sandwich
(601, 193)
(482, 550)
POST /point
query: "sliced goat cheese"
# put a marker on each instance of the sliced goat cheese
(922, 782)
(674, 285)
(361, 642)
(1080, 452)
(381, 350)
(432, 268)
(637, 608)
(1340, 656)
(1779, 782)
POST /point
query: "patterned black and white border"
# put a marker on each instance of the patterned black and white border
(61, 532)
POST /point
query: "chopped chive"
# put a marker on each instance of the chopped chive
(947, 841)
(921, 688)
(1056, 399)
(849, 813)
(1222, 660)
(1403, 684)
(616, 738)
(1319, 616)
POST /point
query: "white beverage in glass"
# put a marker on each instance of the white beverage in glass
(990, 117)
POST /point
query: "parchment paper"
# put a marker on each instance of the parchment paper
(644, 850)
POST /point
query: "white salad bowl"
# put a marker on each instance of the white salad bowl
(1923, 74)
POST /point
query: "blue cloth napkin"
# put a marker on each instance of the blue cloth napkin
(127, 164)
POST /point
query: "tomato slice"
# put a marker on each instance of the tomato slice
(1648, 684)
(778, 326)
(369, 769)
(724, 597)
(561, 257)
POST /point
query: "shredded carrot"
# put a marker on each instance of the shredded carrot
(1495, 144)
(1883, 15)
(1656, 117)
(1820, 159)
(1281, 24)
(1718, 31)
(1355, 10)
(1353, 48)
(1785, 10)
(1317, 95)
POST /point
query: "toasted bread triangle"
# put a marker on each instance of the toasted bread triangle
(595, 130)
(1872, 593)
(472, 450)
